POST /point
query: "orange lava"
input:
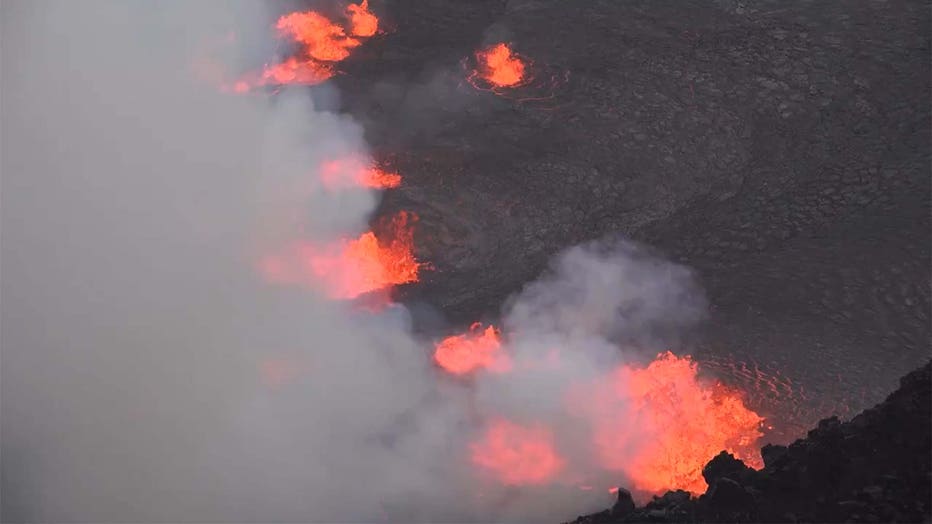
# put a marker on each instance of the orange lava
(362, 21)
(323, 43)
(499, 66)
(517, 455)
(660, 425)
(323, 40)
(350, 268)
(337, 174)
(478, 349)
(294, 71)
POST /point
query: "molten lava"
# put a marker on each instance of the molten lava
(323, 43)
(351, 268)
(660, 425)
(478, 349)
(323, 40)
(352, 172)
(517, 455)
(291, 71)
(362, 21)
(500, 67)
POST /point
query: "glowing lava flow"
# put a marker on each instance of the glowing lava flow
(478, 349)
(344, 173)
(660, 425)
(323, 43)
(517, 455)
(500, 67)
(350, 268)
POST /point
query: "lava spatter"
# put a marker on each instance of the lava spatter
(499, 66)
(352, 172)
(660, 424)
(351, 267)
(477, 349)
(322, 44)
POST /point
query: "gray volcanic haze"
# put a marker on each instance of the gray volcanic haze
(150, 373)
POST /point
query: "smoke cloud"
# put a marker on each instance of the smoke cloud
(149, 374)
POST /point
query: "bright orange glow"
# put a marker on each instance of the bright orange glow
(337, 174)
(294, 71)
(478, 349)
(362, 21)
(517, 455)
(323, 39)
(350, 268)
(500, 67)
(660, 424)
(323, 43)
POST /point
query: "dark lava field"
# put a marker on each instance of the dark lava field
(779, 148)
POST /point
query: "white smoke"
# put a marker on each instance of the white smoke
(134, 325)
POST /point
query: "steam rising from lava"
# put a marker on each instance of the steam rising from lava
(150, 374)
(349, 268)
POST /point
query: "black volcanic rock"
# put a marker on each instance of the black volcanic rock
(624, 504)
(725, 465)
(875, 468)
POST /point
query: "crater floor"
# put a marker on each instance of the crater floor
(781, 149)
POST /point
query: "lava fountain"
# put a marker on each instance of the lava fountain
(322, 42)
(350, 267)
(660, 424)
(362, 22)
(477, 349)
(352, 172)
(500, 66)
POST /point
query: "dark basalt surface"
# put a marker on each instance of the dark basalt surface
(875, 468)
(780, 148)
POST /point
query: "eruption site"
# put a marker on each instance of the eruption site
(478, 349)
(349, 268)
(187, 272)
(500, 67)
(684, 421)
(343, 173)
(322, 43)
(497, 69)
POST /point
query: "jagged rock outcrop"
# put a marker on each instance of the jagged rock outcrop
(875, 468)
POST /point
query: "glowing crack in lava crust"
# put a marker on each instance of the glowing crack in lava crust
(517, 455)
(500, 67)
(461, 354)
(660, 424)
(350, 268)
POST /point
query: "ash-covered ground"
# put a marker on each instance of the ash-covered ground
(781, 149)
